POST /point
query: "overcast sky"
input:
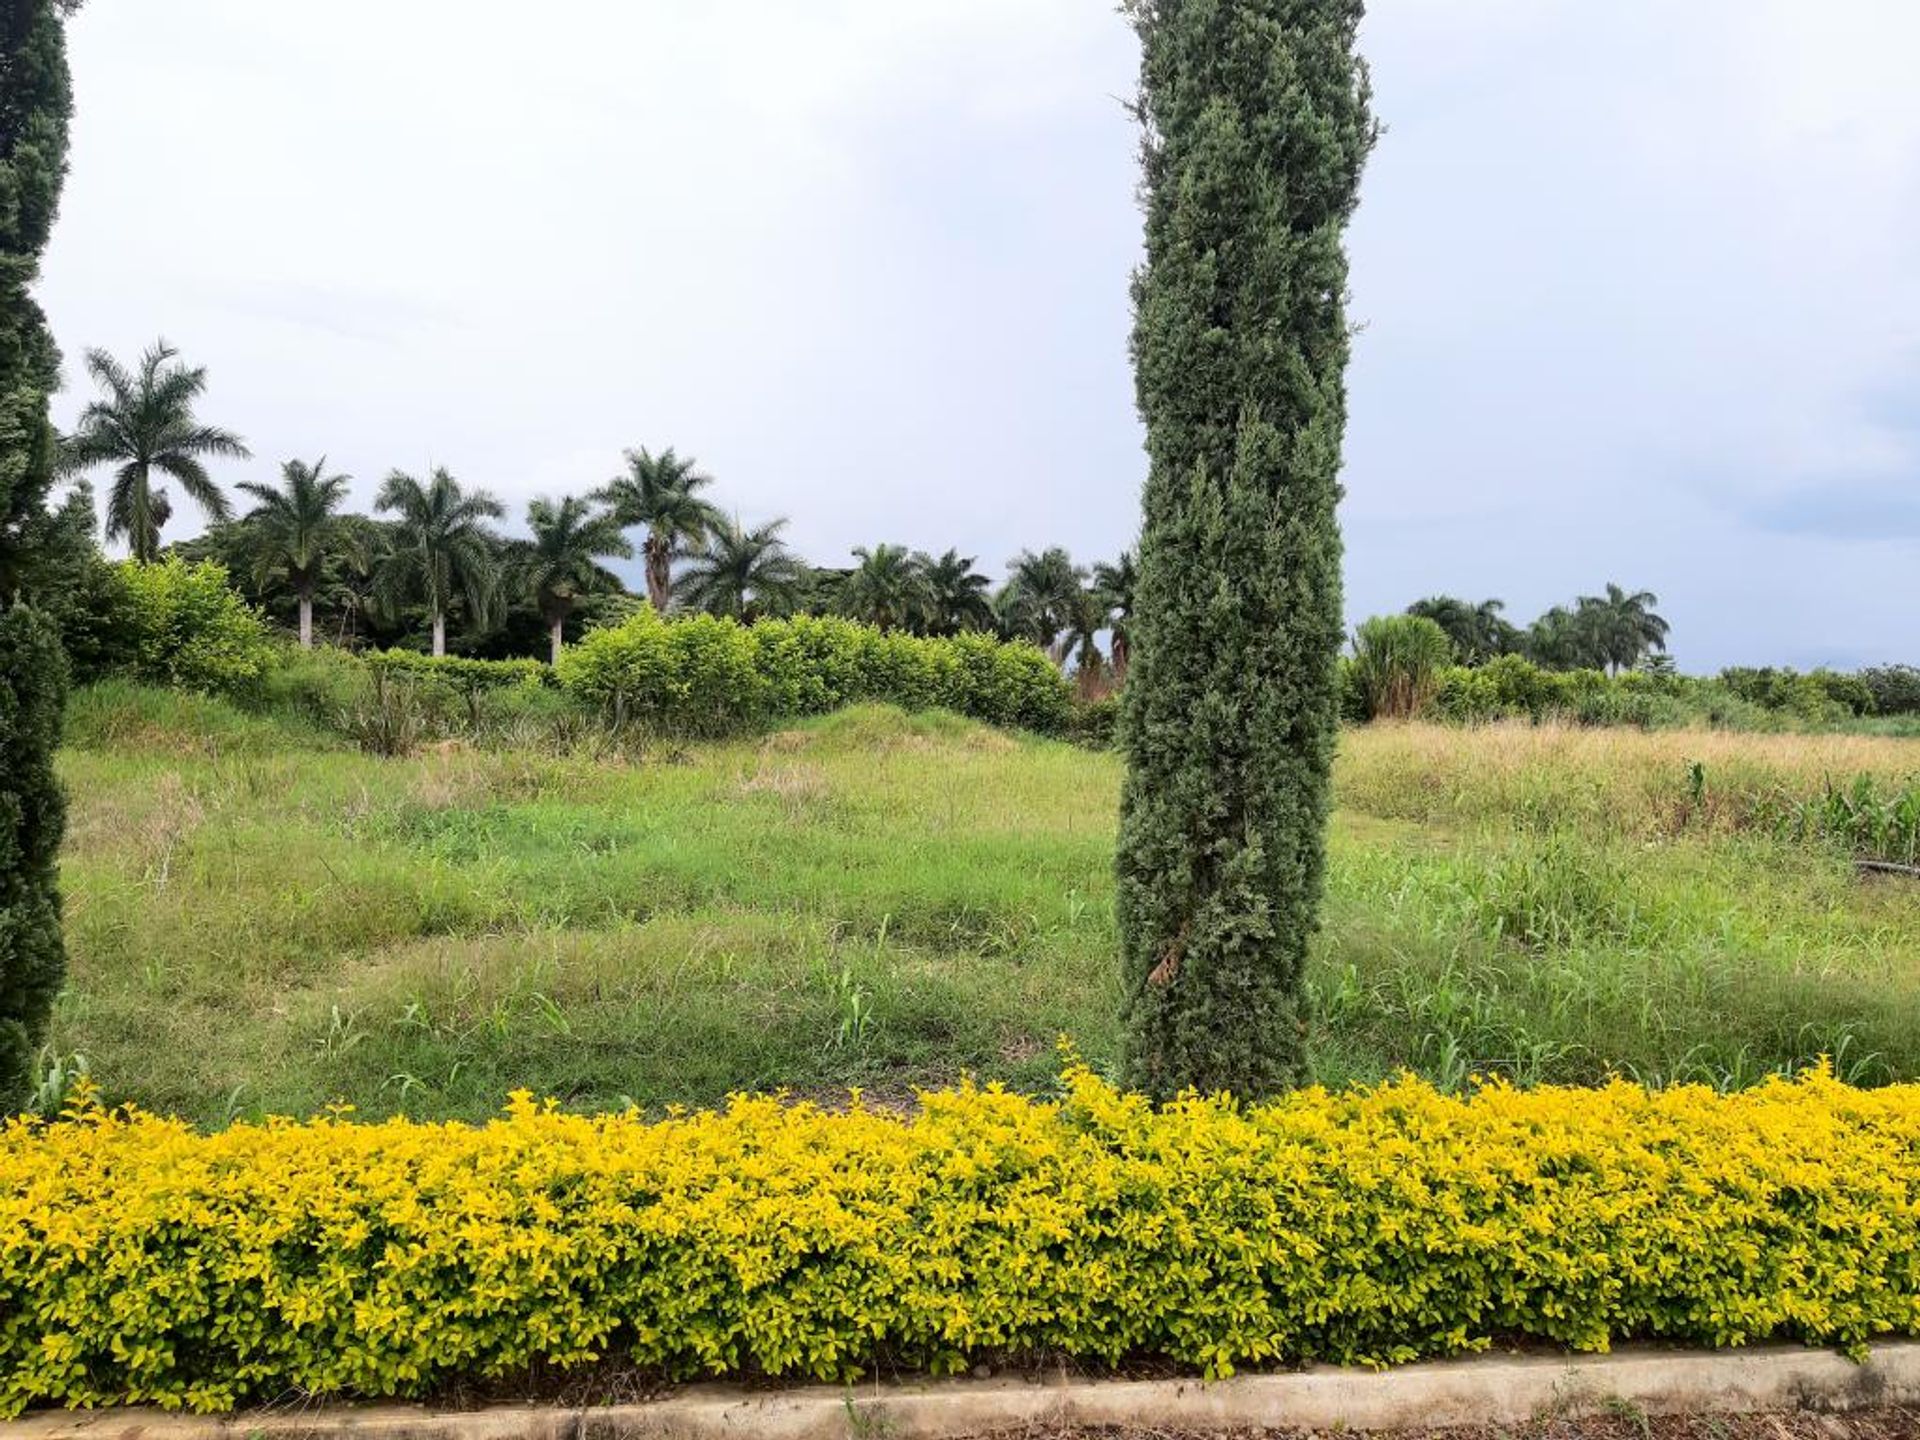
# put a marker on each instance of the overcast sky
(1639, 282)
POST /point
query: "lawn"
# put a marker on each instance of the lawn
(261, 921)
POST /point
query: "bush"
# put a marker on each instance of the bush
(1096, 723)
(1819, 698)
(440, 684)
(318, 685)
(172, 623)
(148, 1263)
(1895, 689)
(706, 676)
(1397, 662)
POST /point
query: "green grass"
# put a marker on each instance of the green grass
(263, 922)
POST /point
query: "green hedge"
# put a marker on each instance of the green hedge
(707, 676)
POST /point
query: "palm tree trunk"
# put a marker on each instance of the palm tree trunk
(306, 622)
(439, 635)
(659, 572)
(558, 626)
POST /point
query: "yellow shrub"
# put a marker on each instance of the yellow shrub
(141, 1261)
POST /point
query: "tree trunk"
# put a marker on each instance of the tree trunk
(306, 622)
(558, 626)
(659, 572)
(439, 634)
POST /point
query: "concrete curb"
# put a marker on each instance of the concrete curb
(1487, 1390)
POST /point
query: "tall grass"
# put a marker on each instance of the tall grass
(263, 919)
(1397, 661)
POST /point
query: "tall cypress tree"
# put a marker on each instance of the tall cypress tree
(35, 103)
(1256, 126)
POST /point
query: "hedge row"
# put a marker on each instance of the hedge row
(143, 1262)
(706, 676)
(459, 672)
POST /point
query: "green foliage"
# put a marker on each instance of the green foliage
(36, 102)
(1895, 688)
(1096, 723)
(1478, 632)
(1872, 819)
(1397, 661)
(33, 685)
(1818, 696)
(429, 680)
(707, 676)
(173, 623)
(459, 672)
(1256, 128)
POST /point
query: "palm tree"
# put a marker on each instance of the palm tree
(443, 551)
(745, 574)
(1113, 587)
(1042, 597)
(294, 529)
(887, 589)
(1563, 639)
(561, 563)
(961, 596)
(1626, 626)
(145, 422)
(662, 493)
(1478, 632)
(1080, 641)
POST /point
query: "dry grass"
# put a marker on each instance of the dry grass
(1624, 781)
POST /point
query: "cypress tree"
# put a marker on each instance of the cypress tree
(35, 103)
(1256, 124)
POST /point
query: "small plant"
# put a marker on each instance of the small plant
(854, 1007)
(390, 720)
(1873, 820)
(58, 1079)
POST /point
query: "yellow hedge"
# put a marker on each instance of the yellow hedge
(140, 1261)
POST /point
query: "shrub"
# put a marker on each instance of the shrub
(627, 670)
(1397, 662)
(439, 680)
(318, 684)
(148, 1263)
(708, 676)
(1096, 723)
(172, 623)
(717, 684)
(1895, 688)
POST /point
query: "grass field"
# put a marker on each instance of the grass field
(262, 921)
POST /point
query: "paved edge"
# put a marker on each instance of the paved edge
(1485, 1390)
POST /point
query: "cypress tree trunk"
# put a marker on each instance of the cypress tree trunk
(1257, 125)
(35, 102)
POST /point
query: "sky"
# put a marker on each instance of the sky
(1637, 285)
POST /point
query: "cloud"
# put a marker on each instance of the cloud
(1638, 284)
